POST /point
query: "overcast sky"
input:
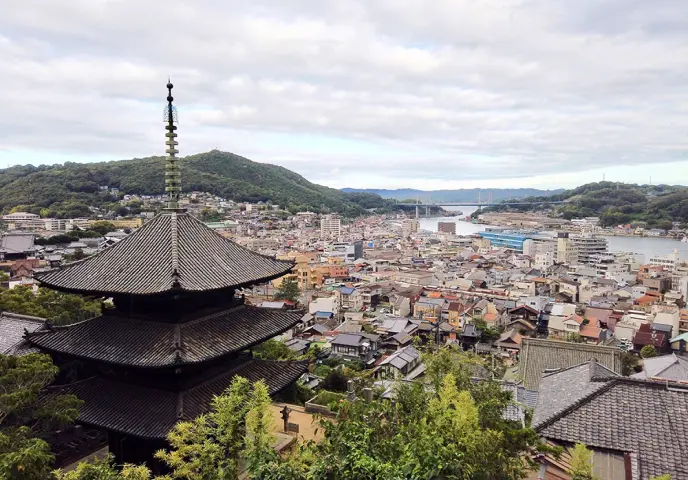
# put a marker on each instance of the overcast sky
(360, 93)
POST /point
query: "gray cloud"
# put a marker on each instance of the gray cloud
(487, 89)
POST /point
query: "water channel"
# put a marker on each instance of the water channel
(647, 246)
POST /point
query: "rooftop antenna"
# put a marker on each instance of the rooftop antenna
(173, 181)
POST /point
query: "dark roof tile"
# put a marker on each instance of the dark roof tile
(174, 251)
(152, 413)
(142, 343)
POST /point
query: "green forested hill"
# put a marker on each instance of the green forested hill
(622, 203)
(67, 190)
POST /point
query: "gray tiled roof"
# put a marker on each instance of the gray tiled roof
(563, 388)
(152, 413)
(12, 329)
(642, 418)
(17, 242)
(142, 343)
(669, 367)
(538, 355)
(174, 251)
(401, 358)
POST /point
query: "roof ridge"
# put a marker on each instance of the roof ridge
(613, 381)
(575, 405)
(21, 316)
(174, 249)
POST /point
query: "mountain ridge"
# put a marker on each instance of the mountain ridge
(456, 195)
(68, 190)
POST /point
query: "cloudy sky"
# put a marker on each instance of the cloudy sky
(366, 93)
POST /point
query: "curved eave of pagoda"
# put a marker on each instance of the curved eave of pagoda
(174, 252)
(150, 413)
(172, 290)
(163, 360)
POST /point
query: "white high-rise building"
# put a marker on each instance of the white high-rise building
(670, 262)
(330, 225)
(588, 246)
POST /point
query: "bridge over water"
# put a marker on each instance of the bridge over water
(478, 204)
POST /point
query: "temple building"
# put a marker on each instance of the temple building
(178, 331)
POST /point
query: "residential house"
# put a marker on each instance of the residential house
(414, 277)
(618, 418)
(561, 326)
(349, 297)
(509, 341)
(646, 335)
(666, 367)
(403, 364)
(591, 332)
(454, 311)
(324, 304)
(428, 308)
(401, 305)
(298, 345)
(539, 355)
(355, 346)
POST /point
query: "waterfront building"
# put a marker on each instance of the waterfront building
(511, 240)
(446, 227)
(669, 262)
(588, 246)
(177, 333)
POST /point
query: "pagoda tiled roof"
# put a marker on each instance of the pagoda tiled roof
(172, 252)
(151, 413)
(142, 343)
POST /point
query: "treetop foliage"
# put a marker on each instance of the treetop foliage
(619, 204)
(67, 190)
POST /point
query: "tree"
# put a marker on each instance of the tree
(288, 290)
(209, 447)
(60, 308)
(648, 351)
(629, 363)
(26, 413)
(102, 227)
(258, 450)
(77, 255)
(574, 337)
(452, 428)
(581, 463)
(104, 469)
(488, 334)
(273, 350)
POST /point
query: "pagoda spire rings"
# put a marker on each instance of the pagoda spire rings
(173, 181)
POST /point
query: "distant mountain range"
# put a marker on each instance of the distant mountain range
(460, 195)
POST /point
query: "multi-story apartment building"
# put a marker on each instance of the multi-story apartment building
(588, 246)
(409, 226)
(331, 225)
(670, 262)
(447, 227)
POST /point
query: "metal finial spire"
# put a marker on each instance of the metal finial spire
(173, 180)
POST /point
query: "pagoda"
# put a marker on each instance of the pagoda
(178, 332)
